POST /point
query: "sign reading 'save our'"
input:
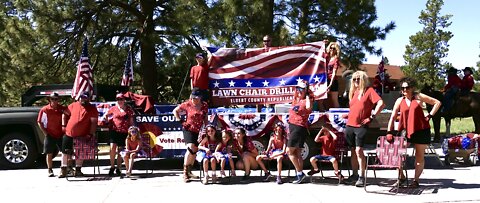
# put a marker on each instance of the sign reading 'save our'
(155, 119)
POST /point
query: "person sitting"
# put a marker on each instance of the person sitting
(133, 145)
(275, 150)
(205, 156)
(467, 81)
(450, 90)
(223, 153)
(327, 139)
(247, 152)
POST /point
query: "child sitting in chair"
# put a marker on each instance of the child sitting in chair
(223, 153)
(327, 139)
(206, 150)
(133, 149)
(275, 150)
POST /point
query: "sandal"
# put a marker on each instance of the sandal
(414, 184)
(339, 176)
(400, 182)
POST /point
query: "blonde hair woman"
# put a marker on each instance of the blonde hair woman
(363, 99)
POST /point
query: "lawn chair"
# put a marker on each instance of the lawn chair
(341, 153)
(148, 155)
(86, 149)
(388, 155)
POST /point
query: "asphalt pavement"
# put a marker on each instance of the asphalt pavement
(454, 183)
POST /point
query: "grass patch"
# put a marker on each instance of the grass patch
(458, 126)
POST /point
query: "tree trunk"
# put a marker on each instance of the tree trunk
(147, 51)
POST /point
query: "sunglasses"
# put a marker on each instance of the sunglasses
(356, 79)
(300, 89)
(404, 88)
(134, 132)
(266, 40)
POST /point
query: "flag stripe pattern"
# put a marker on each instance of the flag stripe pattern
(127, 79)
(265, 75)
(84, 77)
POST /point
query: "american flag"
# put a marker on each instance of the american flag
(127, 78)
(381, 70)
(84, 77)
(260, 76)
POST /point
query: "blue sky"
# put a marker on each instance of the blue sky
(464, 45)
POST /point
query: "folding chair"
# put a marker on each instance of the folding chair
(388, 156)
(86, 149)
(341, 153)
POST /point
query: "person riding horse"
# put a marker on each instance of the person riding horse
(467, 81)
(453, 86)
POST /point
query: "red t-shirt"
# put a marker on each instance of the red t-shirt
(453, 81)
(332, 64)
(195, 117)
(79, 123)
(199, 76)
(328, 145)
(467, 82)
(121, 119)
(300, 116)
(51, 120)
(360, 109)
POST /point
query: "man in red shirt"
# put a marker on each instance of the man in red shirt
(199, 76)
(453, 85)
(467, 81)
(82, 124)
(50, 121)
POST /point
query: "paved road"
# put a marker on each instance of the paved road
(439, 184)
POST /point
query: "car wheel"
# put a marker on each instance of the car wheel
(18, 151)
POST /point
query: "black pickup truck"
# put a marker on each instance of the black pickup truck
(21, 139)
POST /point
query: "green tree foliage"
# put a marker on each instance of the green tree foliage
(429, 46)
(40, 41)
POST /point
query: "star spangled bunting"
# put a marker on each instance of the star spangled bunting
(127, 78)
(84, 77)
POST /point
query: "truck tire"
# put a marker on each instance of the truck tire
(17, 151)
(310, 149)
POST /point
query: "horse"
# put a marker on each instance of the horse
(464, 106)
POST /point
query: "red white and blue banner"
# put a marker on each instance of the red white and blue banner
(265, 76)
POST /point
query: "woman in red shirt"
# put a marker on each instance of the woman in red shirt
(413, 120)
(275, 151)
(196, 116)
(298, 126)
(365, 103)
(247, 151)
(120, 118)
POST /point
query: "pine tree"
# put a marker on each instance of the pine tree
(429, 46)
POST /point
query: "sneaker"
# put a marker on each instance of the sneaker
(70, 171)
(118, 171)
(128, 174)
(205, 180)
(279, 180)
(111, 171)
(267, 176)
(245, 177)
(78, 173)
(222, 174)
(360, 182)
(300, 178)
(214, 178)
(313, 172)
(50, 173)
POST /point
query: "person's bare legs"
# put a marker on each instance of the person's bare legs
(127, 162)
(279, 165)
(261, 164)
(334, 99)
(292, 155)
(354, 161)
(419, 160)
(361, 160)
(113, 152)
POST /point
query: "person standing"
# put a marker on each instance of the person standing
(413, 120)
(298, 126)
(50, 121)
(196, 116)
(120, 118)
(82, 124)
(333, 64)
(363, 99)
(199, 76)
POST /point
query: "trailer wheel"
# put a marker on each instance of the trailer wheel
(18, 151)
